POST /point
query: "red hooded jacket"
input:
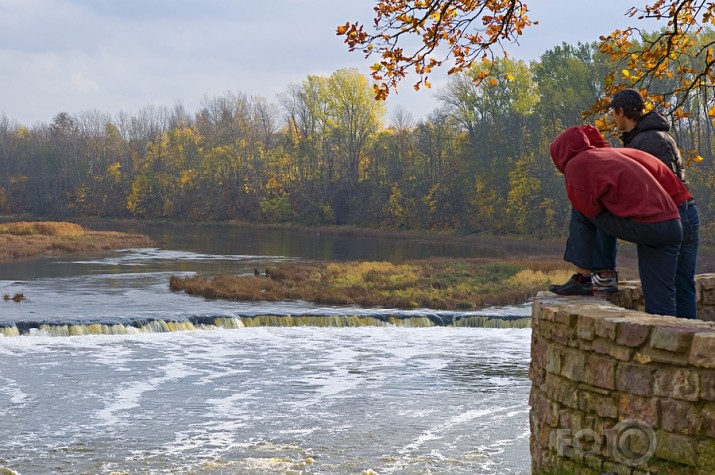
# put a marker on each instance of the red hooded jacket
(661, 172)
(604, 179)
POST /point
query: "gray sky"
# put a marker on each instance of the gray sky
(120, 55)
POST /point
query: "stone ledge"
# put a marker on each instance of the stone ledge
(587, 322)
(597, 366)
(630, 296)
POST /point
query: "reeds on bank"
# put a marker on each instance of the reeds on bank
(448, 284)
(44, 228)
(25, 239)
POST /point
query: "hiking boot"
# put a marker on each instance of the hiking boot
(605, 284)
(578, 284)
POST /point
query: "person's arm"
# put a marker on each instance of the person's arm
(585, 201)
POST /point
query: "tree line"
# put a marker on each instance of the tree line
(322, 153)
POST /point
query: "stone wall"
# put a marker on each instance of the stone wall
(615, 390)
(630, 295)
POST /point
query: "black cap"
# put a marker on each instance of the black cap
(628, 99)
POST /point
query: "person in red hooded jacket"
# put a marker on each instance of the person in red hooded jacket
(685, 295)
(611, 192)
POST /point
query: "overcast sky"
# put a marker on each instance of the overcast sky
(120, 55)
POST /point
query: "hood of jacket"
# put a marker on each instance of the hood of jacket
(594, 136)
(567, 145)
(653, 120)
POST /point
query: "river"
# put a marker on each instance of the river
(104, 370)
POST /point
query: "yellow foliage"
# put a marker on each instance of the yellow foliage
(114, 172)
(187, 177)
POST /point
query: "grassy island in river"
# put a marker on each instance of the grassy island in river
(27, 239)
(447, 284)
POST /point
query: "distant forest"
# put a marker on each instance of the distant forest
(323, 155)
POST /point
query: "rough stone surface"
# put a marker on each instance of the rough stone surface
(643, 385)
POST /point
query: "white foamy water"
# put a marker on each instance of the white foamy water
(254, 401)
(268, 401)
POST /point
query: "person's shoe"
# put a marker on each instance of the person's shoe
(605, 284)
(578, 284)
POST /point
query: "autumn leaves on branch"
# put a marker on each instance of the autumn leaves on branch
(458, 30)
(421, 35)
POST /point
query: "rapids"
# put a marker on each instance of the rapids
(104, 370)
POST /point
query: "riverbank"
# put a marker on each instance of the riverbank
(440, 284)
(359, 267)
(28, 239)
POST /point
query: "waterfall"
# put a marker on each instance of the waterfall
(143, 325)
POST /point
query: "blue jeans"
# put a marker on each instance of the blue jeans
(685, 298)
(657, 243)
(604, 257)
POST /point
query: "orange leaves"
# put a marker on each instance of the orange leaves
(458, 31)
(677, 56)
(679, 113)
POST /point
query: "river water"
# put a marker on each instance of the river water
(156, 382)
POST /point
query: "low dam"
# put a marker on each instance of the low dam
(618, 391)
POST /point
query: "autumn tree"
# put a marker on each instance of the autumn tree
(164, 186)
(354, 117)
(306, 115)
(569, 80)
(497, 116)
(8, 145)
(331, 123)
(440, 171)
(421, 35)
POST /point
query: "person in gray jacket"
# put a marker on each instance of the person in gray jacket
(650, 133)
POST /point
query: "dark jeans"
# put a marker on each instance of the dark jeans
(657, 243)
(604, 257)
(685, 297)
(604, 254)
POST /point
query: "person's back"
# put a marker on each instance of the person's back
(652, 135)
(603, 178)
(660, 171)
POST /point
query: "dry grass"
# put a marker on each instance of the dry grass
(41, 228)
(432, 283)
(18, 297)
(25, 239)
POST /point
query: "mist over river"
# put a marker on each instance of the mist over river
(103, 370)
